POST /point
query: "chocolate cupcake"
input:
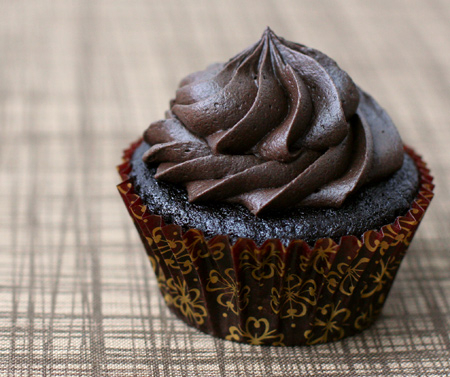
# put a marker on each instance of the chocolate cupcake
(276, 200)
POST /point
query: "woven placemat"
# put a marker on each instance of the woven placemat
(80, 80)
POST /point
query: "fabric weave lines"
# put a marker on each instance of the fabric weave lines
(80, 80)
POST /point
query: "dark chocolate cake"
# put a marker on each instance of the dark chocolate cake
(371, 207)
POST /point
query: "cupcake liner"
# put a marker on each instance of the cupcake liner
(272, 294)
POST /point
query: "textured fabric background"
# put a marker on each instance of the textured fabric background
(79, 80)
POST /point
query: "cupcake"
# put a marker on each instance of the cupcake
(276, 199)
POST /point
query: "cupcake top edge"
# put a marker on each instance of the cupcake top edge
(279, 125)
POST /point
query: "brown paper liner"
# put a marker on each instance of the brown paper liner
(274, 294)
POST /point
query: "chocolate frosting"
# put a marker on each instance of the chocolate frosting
(278, 126)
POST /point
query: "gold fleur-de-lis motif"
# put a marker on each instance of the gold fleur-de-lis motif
(346, 276)
(199, 248)
(257, 332)
(173, 251)
(392, 238)
(379, 278)
(233, 296)
(263, 264)
(195, 250)
(305, 261)
(292, 299)
(370, 242)
(329, 322)
(408, 226)
(217, 250)
(324, 255)
(156, 236)
(365, 318)
(187, 300)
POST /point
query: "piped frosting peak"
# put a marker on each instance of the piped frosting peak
(278, 126)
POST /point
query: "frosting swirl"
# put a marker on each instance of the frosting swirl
(280, 125)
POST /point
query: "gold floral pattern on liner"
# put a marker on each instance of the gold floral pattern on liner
(256, 332)
(329, 324)
(188, 301)
(275, 294)
(294, 298)
(229, 292)
(263, 263)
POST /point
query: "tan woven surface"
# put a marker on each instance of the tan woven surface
(79, 80)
